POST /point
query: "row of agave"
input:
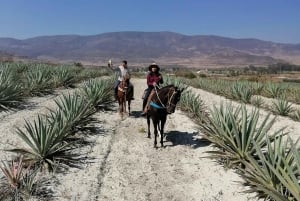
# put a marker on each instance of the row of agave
(52, 140)
(246, 92)
(269, 163)
(18, 81)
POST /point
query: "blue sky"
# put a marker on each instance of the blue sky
(271, 20)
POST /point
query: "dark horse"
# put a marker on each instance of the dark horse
(162, 103)
(124, 94)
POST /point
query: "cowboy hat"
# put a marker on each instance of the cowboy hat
(154, 65)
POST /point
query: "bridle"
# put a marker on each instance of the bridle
(123, 87)
(169, 103)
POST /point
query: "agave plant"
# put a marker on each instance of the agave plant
(98, 93)
(295, 95)
(11, 93)
(273, 90)
(234, 131)
(38, 82)
(20, 182)
(75, 110)
(11, 185)
(257, 87)
(242, 91)
(193, 105)
(282, 107)
(45, 144)
(93, 73)
(257, 101)
(175, 81)
(63, 77)
(296, 115)
(274, 174)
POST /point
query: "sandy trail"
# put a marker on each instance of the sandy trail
(129, 168)
(123, 165)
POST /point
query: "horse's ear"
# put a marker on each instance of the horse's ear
(181, 90)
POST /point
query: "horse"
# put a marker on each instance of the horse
(163, 102)
(124, 94)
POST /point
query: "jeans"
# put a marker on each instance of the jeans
(148, 91)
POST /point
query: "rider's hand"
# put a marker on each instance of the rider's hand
(154, 84)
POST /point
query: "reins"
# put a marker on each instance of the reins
(158, 96)
(169, 100)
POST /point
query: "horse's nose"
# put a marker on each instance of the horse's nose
(171, 110)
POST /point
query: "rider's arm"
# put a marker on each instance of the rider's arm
(149, 82)
(161, 81)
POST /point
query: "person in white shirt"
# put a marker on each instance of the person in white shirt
(122, 72)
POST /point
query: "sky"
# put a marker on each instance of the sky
(270, 20)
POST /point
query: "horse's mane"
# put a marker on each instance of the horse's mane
(167, 87)
(162, 92)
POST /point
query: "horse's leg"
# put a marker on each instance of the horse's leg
(120, 104)
(162, 124)
(155, 123)
(124, 101)
(148, 123)
(124, 106)
(129, 106)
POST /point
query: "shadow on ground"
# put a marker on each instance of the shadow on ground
(136, 114)
(185, 138)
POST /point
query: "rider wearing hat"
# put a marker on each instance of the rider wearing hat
(154, 78)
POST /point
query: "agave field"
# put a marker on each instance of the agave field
(211, 141)
(280, 98)
(50, 139)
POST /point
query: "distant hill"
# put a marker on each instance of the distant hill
(142, 48)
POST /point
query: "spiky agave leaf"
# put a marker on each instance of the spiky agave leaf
(98, 92)
(11, 184)
(75, 110)
(233, 131)
(242, 91)
(38, 81)
(275, 172)
(282, 107)
(45, 143)
(194, 105)
(11, 92)
(63, 76)
(21, 182)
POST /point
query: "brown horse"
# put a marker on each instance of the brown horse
(162, 103)
(125, 94)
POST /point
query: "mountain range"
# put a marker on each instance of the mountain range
(142, 48)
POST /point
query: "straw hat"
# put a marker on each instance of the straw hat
(154, 65)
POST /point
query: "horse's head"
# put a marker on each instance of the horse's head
(125, 82)
(173, 98)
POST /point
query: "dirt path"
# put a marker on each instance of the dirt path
(127, 167)
(123, 165)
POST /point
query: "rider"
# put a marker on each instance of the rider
(122, 71)
(154, 78)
